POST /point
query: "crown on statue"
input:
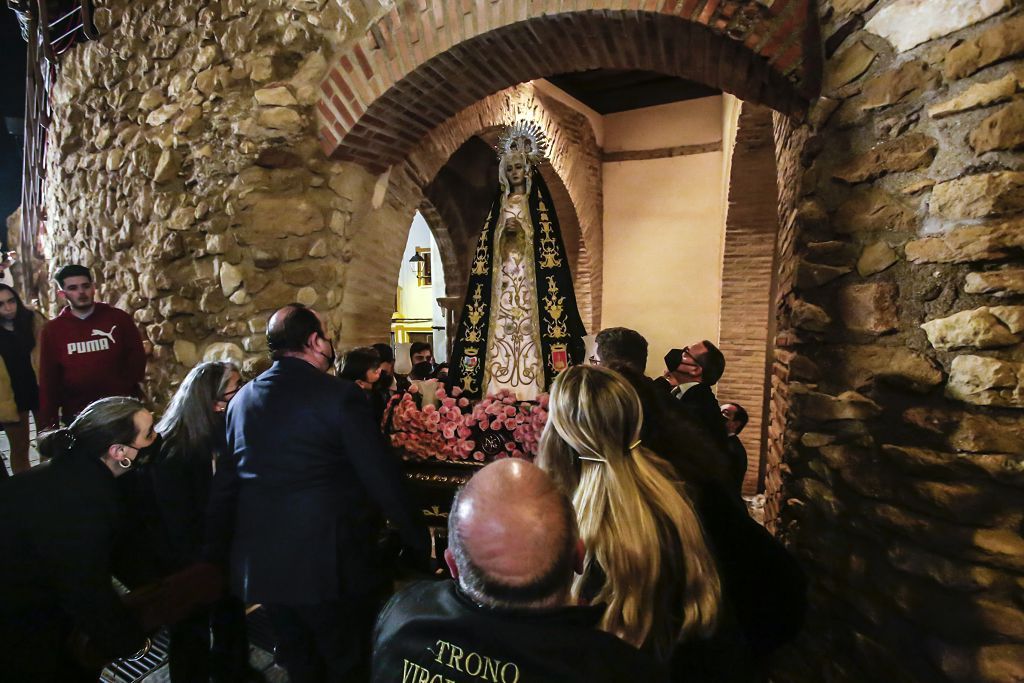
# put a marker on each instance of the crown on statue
(525, 137)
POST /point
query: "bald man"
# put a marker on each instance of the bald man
(296, 501)
(509, 615)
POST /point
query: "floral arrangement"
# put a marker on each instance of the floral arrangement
(455, 429)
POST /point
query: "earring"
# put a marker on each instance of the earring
(124, 463)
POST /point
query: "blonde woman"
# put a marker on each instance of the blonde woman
(647, 559)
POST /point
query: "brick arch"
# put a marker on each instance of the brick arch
(572, 172)
(428, 60)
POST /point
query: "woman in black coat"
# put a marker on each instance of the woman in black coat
(191, 437)
(57, 527)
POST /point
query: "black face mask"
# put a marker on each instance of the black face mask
(333, 357)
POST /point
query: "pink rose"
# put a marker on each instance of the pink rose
(464, 432)
(463, 402)
(484, 424)
(414, 389)
(510, 411)
(510, 424)
(477, 455)
(456, 391)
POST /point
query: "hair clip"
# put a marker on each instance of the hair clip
(635, 444)
(591, 459)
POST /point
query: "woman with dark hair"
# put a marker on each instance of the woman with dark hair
(57, 528)
(19, 389)
(191, 438)
(362, 366)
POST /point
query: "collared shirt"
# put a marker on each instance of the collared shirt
(681, 389)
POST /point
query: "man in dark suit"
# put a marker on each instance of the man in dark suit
(303, 481)
(736, 419)
(700, 368)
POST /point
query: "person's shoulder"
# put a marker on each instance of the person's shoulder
(418, 598)
(62, 318)
(114, 313)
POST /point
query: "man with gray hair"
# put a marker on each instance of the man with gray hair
(509, 615)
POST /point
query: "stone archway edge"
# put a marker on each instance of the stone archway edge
(419, 65)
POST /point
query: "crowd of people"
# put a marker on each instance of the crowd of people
(623, 553)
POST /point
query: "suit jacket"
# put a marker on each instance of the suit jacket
(296, 495)
(702, 406)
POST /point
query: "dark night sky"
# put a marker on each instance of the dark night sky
(12, 104)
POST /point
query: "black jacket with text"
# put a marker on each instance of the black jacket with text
(432, 631)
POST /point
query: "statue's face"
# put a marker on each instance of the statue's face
(515, 171)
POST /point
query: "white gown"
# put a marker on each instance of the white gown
(513, 340)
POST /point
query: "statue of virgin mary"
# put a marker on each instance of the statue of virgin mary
(520, 325)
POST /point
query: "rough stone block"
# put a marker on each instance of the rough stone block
(908, 23)
(943, 571)
(223, 351)
(810, 275)
(984, 664)
(163, 114)
(807, 316)
(231, 278)
(875, 258)
(167, 166)
(986, 381)
(905, 153)
(869, 307)
(979, 195)
(1002, 130)
(990, 242)
(981, 95)
(185, 352)
(848, 66)
(860, 366)
(848, 405)
(306, 296)
(904, 83)
(873, 210)
(1002, 40)
(277, 96)
(283, 119)
(280, 216)
(1006, 282)
(981, 328)
(991, 435)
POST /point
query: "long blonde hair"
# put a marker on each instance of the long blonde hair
(634, 516)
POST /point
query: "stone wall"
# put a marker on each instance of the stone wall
(896, 465)
(185, 169)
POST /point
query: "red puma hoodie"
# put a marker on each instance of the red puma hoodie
(84, 360)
